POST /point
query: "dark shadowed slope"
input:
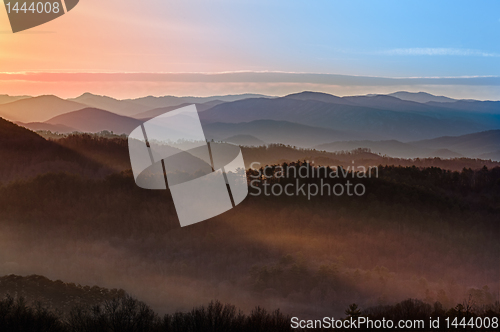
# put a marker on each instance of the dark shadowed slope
(55, 128)
(59, 295)
(38, 109)
(24, 154)
(94, 120)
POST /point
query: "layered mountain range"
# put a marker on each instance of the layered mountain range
(402, 124)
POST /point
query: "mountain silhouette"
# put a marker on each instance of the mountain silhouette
(5, 99)
(387, 118)
(121, 107)
(55, 128)
(94, 120)
(483, 145)
(421, 97)
(158, 111)
(25, 154)
(271, 131)
(473, 145)
(37, 109)
(244, 140)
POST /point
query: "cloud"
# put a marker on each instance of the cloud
(438, 51)
(247, 77)
(135, 85)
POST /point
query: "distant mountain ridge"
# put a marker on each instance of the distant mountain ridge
(5, 99)
(165, 101)
(122, 107)
(38, 109)
(358, 118)
(482, 145)
(158, 111)
(94, 120)
(132, 107)
(387, 118)
(55, 128)
(472, 145)
(421, 97)
(272, 131)
(244, 140)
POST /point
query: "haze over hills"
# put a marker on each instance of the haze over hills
(37, 109)
(271, 131)
(165, 101)
(473, 106)
(483, 145)
(158, 111)
(391, 148)
(421, 97)
(133, 107)
(359, 118)
(94, 120)
(4, 99)
(122, 107)
(319, 96)
(472, 145)
(417, 123)
(55, 128)
(244, 140)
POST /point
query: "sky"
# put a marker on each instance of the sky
(224, 38)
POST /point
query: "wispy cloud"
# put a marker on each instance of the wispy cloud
(247, 77)
(438, 51)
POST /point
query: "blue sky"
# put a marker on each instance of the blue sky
(363, 38)
(379, 38)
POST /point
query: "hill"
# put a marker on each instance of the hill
(491, 156)
(24, 154)
(474, 106)
(57, 128)
(272, 131)
(166, 101)
(5, 99)
(158, 111)
(472, 145)
(404, 125)
(156, 105)
(244, 140)
(319, 96)
(477, 145)
(37, 109)
(282, 249)
(421, 97)
(55, 295)
(391, 148)
(95, 120)
(121, 107)
(276, 154)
